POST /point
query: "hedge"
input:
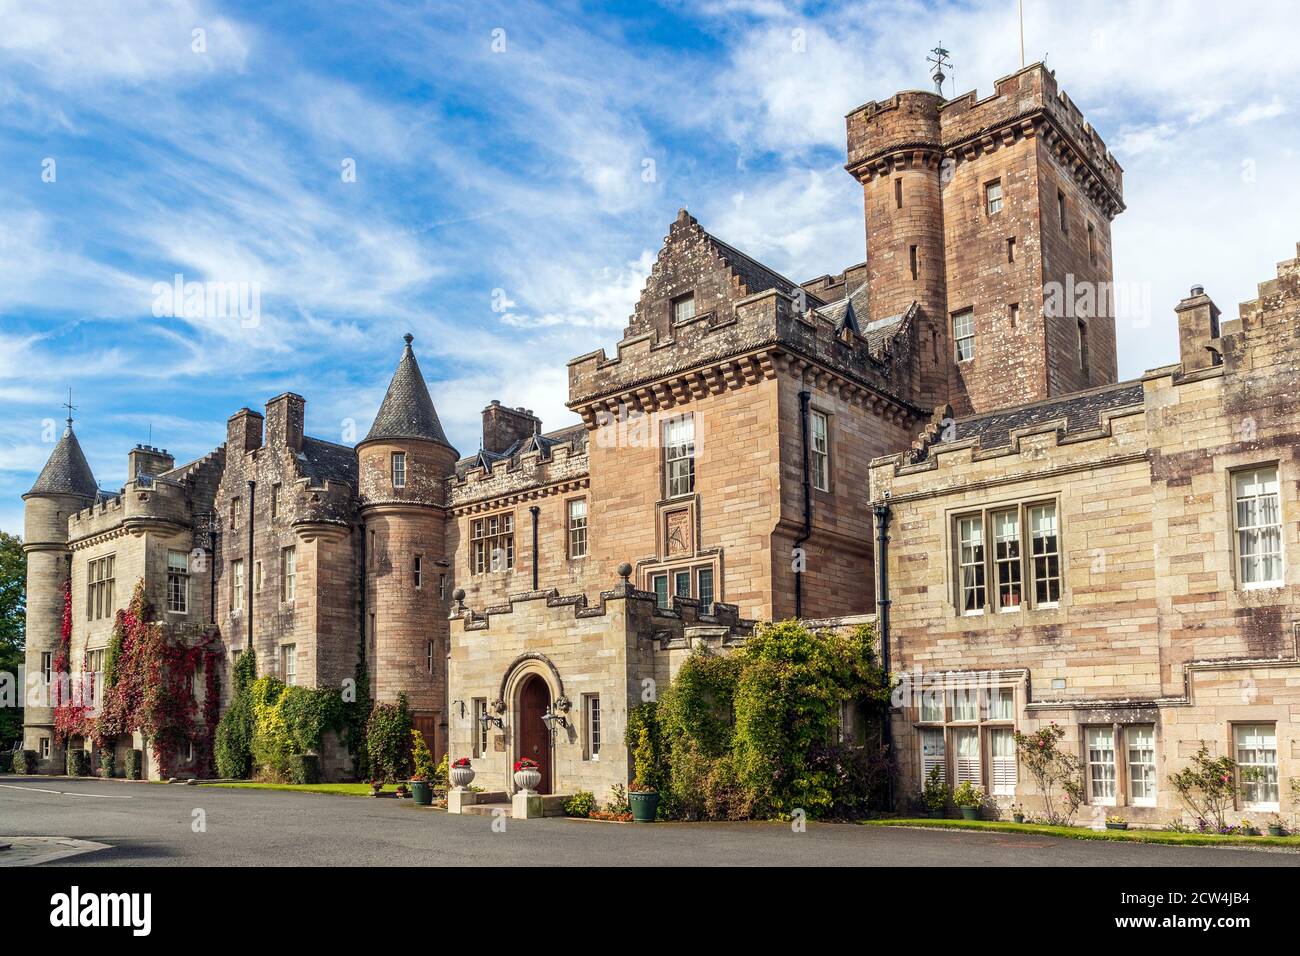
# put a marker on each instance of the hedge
(78, 763)
(25, 761)
(131, 766)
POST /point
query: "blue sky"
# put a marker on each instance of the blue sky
(517, 166)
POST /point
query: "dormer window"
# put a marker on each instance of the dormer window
(684, 308)
(399, 469)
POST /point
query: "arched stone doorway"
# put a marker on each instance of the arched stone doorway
(532, 736)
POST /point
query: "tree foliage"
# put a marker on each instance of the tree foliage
(13, 620)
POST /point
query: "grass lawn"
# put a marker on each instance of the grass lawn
(1131, 835)
(345, 789)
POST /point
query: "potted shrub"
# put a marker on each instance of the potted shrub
(376, 787)
(1275, 826)
(1017, 813)
(422, 778)
(1249, 829)
(968, 799)
(461, 773)
(402, 791)
(935, 793)
(644, 802)
(528, 774)
(1115, 822)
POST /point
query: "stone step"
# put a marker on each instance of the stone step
(485, 809)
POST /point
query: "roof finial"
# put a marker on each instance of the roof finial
(408, 338)
(70, 407)
(940, 60)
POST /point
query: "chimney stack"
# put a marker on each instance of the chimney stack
(1198, 331)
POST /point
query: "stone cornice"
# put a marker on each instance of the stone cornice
(514, 497)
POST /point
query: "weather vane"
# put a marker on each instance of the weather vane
(70, 407)
(940, 60)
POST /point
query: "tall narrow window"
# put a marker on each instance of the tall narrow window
(898, 193)
(682, 584)
(1002, 704)
(1046, 555)
(1140, 740)
(966, 743)
(47, 666)
(963, 334)
(684, 308)
(577, 527)
(417, 570)
(1083, 347)
(288, 574)
(237, 584)
(1257, 758)
(234, 513)
(659, 584)
(821, 452)
(704, 587)
(1101, 765)
(399, 469)
(492, 543)
(915, 262)
(1060, 210)
(1007, 559)
(970, 545)
(679, 455)
(480, 726)
(99, 592)
(1002, 757)
(993, 197)
(1011, 249)
(289, 663)
(257, 576)
(1013, 314)
(1092, 244)
(932, 753)
(428, 656)
(442, 587)
(275, 501)
(1258, 518)
(593, 726)
(178, 582)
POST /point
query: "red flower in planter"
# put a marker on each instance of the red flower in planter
(462, 762)
(526, 763)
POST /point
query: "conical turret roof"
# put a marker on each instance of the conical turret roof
(407, 410)
(67, 472)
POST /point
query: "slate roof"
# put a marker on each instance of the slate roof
(1081, 411)
(573, 435)
(407, 410)
(67, 472)
(756, 276)
(323, 461)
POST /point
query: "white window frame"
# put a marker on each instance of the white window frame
(1264, 487)
(963, 335)
(178, 582)
(47, 666)
(683, 308)
(967, 766)
(592, 719)
(929, 757)
(1040, 563)
(1103, 774)
(289, 664)
(428, 655)
(237, 584)
(972, 585)
(479, 708)
(993, 197)
(1252, 753)
(576, 511)
(820, 447)
(399, 469)
(1008, 561)
(417, 570)
(1140, 762)
(679, 456)
(288, 575)
(45, 748)
(1004, 768)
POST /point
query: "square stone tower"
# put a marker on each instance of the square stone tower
(994, 216)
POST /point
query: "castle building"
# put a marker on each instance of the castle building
(1115, 557)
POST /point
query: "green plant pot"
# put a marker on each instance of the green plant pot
(422, 792)
(1276, 830)
(1018, 817)
(645, 805)
(970, 813)
(934, 814)
(1117, 826)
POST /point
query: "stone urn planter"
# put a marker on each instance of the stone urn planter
(527, 778)
(461, 775)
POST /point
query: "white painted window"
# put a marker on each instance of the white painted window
(577, 527)
(1259, 527)
(821, 451)
(965, 704)
(1101, 765)
(428, 656)
(47, 666)
(1046, 555)
(1002, 703)
(288, 574)
(1007, 559)
(966, 744)
(593, 726)
(931, 704)
(970, 546)
(684, 308)
(99, 596)
(237, 584)
(1257, 758)
(289, 663)
(963, 334)
(45, 748)
(1140, 741)
(679, 455)
(480, 726)
(492, 543)
(993, 196)
(178, 582)
(932, 753)
(1002, 757)
(399, 469)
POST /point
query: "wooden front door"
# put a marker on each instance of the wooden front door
(534, 737)
(427, 724)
